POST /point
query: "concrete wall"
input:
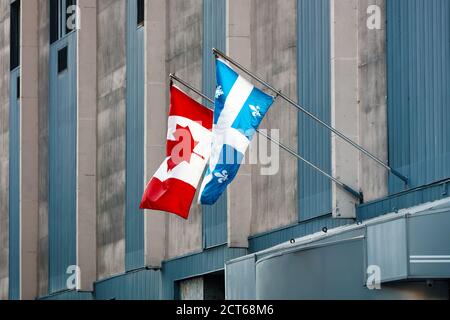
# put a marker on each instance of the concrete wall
(156, 88)
(184, 27)
(4, 146)
(239, 204)
(344, 104)
(43, 84)
(273, 58)
(29, 142)
(86, 143)
(372, 92)
(192, 289)
(111, 47)
(358, 102)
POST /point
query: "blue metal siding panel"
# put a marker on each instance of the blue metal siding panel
(406, 199)
(14, 188)
(274, 237)
(62, 164)
(314, 94)
(140, 284)
(134, 185)
(70, 295)
(418, 34)
(214, 12)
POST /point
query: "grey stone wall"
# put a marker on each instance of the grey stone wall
(184, 26)
(111, 48)
(4, 145)
(358, 102)
(43, 87)
(273, 54)
(372, 93)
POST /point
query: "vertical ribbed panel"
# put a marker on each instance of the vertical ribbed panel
(14, 188)
(418, 33)
(314, 94)
(401, 200)
(214, 28)
(134, 185)
(70, 295)
(137, 285)
(62, 164)
(275, 237)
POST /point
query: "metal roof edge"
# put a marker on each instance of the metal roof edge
(304, 242)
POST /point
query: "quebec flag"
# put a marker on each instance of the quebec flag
(238, 111)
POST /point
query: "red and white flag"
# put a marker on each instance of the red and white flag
(173, 186)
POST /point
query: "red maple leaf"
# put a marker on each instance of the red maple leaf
(182, 148)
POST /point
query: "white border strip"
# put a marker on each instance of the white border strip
(429, 257)
(429, 261)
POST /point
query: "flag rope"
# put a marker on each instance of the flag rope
(356, 194)
(309, 114)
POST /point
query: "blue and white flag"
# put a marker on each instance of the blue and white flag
(239, 109)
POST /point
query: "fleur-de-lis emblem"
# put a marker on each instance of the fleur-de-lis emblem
(222, 176)
(255, 111)
(219, 92)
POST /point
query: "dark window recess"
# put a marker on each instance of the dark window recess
(214, 286)
(61, 18)
(18, 87)
(140, 12)
(54, 20)
(15, 34)
(71, 15)
(62, 59)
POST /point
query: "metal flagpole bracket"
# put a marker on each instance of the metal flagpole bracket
(312, 116)
(356, 194)
(277, 94)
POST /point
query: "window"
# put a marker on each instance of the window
(18, 88)
(15, 34)
(54, 9)
(61, 18)
(140, 12)
(62, 59)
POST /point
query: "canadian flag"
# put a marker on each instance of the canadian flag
(173, 186)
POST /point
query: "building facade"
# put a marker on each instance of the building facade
(83, 119)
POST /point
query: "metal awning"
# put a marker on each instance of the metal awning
(410, 245)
